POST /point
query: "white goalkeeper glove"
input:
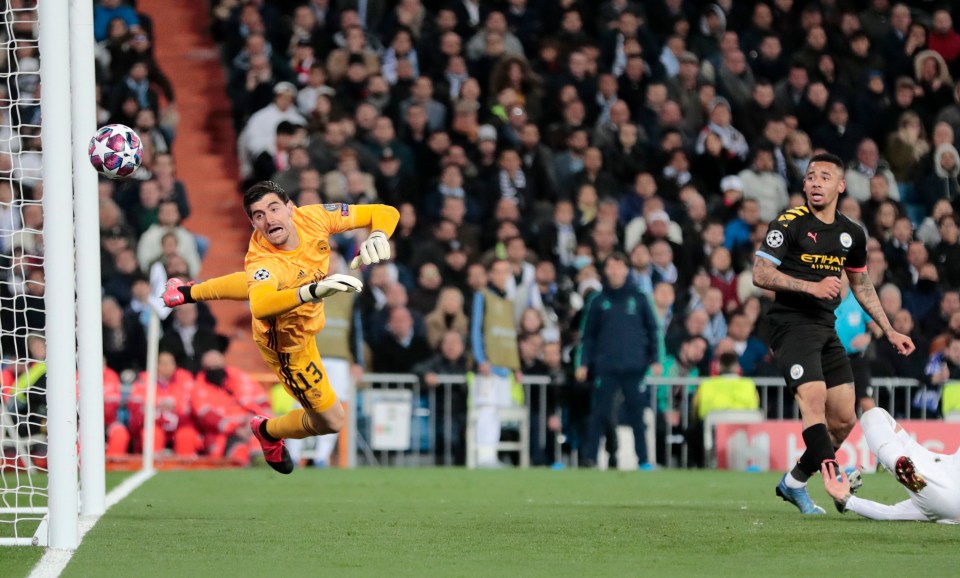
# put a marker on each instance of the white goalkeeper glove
(336, 283)
(375, 249)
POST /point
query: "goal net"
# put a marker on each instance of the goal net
(23, 448)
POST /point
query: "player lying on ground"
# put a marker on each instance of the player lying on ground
(286, 280)
(931, 480)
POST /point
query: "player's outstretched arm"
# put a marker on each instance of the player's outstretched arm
(382, 220)
(336, 283)
(232, 287)
(766, 276)
(267, 302)
(866, 295)
(837, 486)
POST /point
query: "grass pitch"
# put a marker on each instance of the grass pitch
(16, 562)
(433, 522)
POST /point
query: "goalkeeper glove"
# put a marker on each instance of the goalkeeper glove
(315, 292)
(375, 249)
(177, 293)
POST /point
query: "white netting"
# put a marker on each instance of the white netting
(23, 480)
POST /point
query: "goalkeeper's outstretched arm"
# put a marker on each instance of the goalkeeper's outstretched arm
(232, 287)
(267, 301)
(382, 221)
(378, 218)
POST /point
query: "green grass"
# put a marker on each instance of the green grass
(15, 489)
(17, 561)
(416, 522)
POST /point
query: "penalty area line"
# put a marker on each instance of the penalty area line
(54, 560)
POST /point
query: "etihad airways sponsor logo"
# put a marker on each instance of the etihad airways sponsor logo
(828, 262)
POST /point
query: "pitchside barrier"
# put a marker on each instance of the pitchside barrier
(402, 422)
(777, 445)
(405, 423)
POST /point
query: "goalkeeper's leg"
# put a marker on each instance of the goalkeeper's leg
(304, 378)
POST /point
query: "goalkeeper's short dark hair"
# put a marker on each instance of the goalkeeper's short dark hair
(260, 190)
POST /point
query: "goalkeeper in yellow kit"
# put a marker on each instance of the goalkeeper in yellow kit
(285, 278)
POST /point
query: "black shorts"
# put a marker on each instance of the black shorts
(808, 353)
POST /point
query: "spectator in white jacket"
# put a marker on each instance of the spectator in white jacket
(861, 170)
(721, 115)
(522, 284)
(761, 182)
(260, 133)
(496, 24)
(150, 247)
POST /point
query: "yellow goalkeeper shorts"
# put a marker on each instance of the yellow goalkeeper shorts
(302, 375)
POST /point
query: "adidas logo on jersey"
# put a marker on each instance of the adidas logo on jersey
(301, 274)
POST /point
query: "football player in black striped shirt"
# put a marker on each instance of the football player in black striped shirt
(805, 252)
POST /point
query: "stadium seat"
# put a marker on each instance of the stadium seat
(508, 417)
(734, 416)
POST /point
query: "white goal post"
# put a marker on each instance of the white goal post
(44, 484)
(58, 267)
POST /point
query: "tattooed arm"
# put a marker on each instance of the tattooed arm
(866, 295)
(766, 276)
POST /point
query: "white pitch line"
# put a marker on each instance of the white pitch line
(54, 560)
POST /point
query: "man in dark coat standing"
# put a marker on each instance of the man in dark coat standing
(618, 344)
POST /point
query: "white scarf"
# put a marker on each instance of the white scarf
(668, 274)
(451, 191)
(510, 188)
(681, 178)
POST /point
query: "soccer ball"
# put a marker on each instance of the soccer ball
(115, 151)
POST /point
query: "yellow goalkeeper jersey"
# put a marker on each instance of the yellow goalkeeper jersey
(266, 265)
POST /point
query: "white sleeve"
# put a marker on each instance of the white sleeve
(905, 510)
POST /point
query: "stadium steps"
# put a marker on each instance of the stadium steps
(206, 156)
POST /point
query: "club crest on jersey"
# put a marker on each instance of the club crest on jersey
(846, 240)
(774, 238)
(261, 275)
(796, 371)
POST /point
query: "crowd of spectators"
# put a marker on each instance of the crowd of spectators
(551, 135)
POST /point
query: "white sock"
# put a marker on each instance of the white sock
(794, 483)
(486, 455)
(325, 445)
